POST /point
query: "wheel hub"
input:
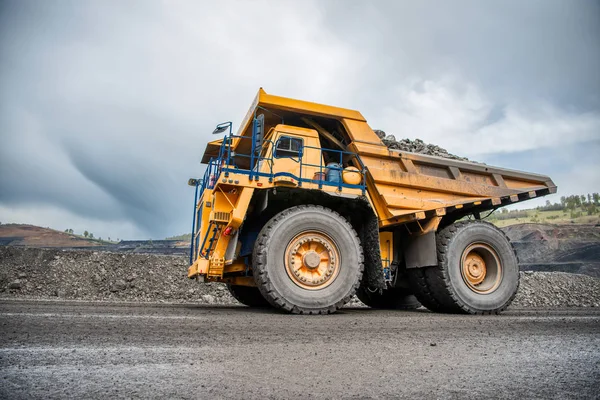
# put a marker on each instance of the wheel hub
(312, 260)
(475, 268)
(481, 269)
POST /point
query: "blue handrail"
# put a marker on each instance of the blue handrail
(224, 162)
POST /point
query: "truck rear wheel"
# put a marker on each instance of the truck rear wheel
(308, 260)
(477, 271)
(248, 295)
(390, 299)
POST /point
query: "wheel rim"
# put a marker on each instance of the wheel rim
(312, 260)
(481, 269)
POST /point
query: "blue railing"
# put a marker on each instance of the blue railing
(209, 180)
(340, 183)
(225, 163)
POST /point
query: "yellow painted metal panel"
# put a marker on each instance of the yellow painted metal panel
(386, 246)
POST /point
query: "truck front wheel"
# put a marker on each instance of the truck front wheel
(307, 260)
(477, 271)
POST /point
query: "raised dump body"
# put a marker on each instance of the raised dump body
(305, 206)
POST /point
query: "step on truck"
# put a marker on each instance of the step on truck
(304, 207)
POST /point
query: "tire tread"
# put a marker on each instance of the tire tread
(432, 285)
(261, 275)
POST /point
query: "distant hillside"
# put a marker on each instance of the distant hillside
(574, 209)
(35, 236)
(504, 217)
(22, 235)
(185, 237)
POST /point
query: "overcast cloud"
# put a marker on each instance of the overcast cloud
(106, 106)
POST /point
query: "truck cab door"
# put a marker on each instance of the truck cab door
(288, 151)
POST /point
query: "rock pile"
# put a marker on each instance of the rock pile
(93, 275)
(557, 289)
(90, 275)
(416, 146)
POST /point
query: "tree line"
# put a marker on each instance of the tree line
(88, 235)
(575, 206)
(589, 203)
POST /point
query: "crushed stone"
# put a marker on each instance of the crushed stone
(33, 273)
(415, 146)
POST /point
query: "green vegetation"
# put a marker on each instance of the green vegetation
(575, 209)
(90, 236)
(185, 236)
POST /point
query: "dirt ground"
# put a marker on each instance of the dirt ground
(87, 350)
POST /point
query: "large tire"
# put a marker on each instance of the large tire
(248, 295)
(388, 299)
(420, 287)
(308, 260)
(477, 271)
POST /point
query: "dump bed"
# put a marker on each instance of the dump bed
(406, 186)
(401, 186)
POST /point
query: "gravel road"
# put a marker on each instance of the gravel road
(105, 350)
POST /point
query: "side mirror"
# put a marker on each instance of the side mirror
(193, 182)
(222, 128)
(219, 129)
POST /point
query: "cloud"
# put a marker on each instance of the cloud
(61, 219)
(458, 116)
(106, 116)
(572, 166)
(106, 107)
(541, 49)
(542, 126)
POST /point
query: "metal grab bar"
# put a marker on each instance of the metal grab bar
(224, 163)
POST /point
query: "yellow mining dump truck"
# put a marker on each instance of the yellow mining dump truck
(305, 206)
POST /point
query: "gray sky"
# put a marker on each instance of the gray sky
(106, 106)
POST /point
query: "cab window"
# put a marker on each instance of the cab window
(288, 147)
